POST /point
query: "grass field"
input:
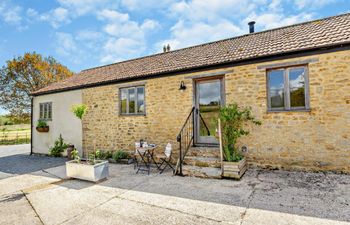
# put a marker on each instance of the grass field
(209, 115)
(15, 134)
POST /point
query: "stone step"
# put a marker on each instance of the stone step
(202, 172)
(204, 151)
(202, 161)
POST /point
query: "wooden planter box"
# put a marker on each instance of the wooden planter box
(234, 169)
(43, 129)
(84, 171)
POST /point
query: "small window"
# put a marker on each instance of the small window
(132, 101)
(45, 111)
(287, 89)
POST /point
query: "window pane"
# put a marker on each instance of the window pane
(140, 100)
(49, 110)
(276, 88)
(132, 100)
(41, 111)
(297, 87)
(45, 110)
(123, 99)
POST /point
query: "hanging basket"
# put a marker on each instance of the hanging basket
(43, 129)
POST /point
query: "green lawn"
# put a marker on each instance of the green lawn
(15, 134)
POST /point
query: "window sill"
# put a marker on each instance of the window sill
(291, 110)
(132, 114)
(47, 120)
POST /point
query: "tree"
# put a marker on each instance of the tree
(25, 74)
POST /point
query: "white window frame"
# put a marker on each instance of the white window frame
(45, 111)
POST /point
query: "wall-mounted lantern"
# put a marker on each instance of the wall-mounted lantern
(182, 86)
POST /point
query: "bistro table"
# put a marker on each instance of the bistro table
(147, 157)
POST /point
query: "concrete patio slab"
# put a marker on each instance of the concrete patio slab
(68, 199)
(122, 211)
(17, 183)
(261, 197)
(15, 209)
(264, 217)
(8, 150)
(208, 210)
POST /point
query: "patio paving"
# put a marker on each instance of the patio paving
(40, 196)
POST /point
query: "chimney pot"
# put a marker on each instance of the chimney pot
(168, 48)
(251, 26)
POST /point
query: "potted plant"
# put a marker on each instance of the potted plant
(79, 111)
(92, 169)
(58, 148)
(120, 156)
(70, 149)
(42, 126)
(233, 122)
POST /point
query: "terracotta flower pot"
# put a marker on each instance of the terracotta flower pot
(69, 151)
(43, 129)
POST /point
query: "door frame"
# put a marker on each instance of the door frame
(221, 78)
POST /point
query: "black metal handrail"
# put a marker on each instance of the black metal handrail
(185, 139)
(205, 125)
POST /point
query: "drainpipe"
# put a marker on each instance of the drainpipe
(31, 125)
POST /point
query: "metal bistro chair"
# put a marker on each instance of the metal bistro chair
(136, 163)
(165, 160)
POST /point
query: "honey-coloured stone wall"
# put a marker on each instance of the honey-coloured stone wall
(317, 140)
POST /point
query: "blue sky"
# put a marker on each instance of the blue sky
(87, 33)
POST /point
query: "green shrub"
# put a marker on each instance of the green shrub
(98, 154)
(233, 120)
(58, 148)
(120, 154)
(75, 154)
(41, 124)
(79, 110)
(9, 122)
(91, 158)
(107, 155)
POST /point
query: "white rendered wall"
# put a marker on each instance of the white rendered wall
(63, 121)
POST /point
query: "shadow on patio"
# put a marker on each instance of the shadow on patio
(318, 195)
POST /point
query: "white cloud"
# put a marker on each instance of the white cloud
(120, 49)
(276, 5)
(32, 13)
(150, 25)
(88, 35)
(82, 7)
(124, 27)
(273, 20)
(56, 17)
(137, 5)
(125, 38)
(200, 21)
(184, 35)
(302, 4)
(10, 14)
(211, 11)
(112, 15)
(66, 46)
(90, 39)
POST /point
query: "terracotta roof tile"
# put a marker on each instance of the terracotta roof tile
(315, 34)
